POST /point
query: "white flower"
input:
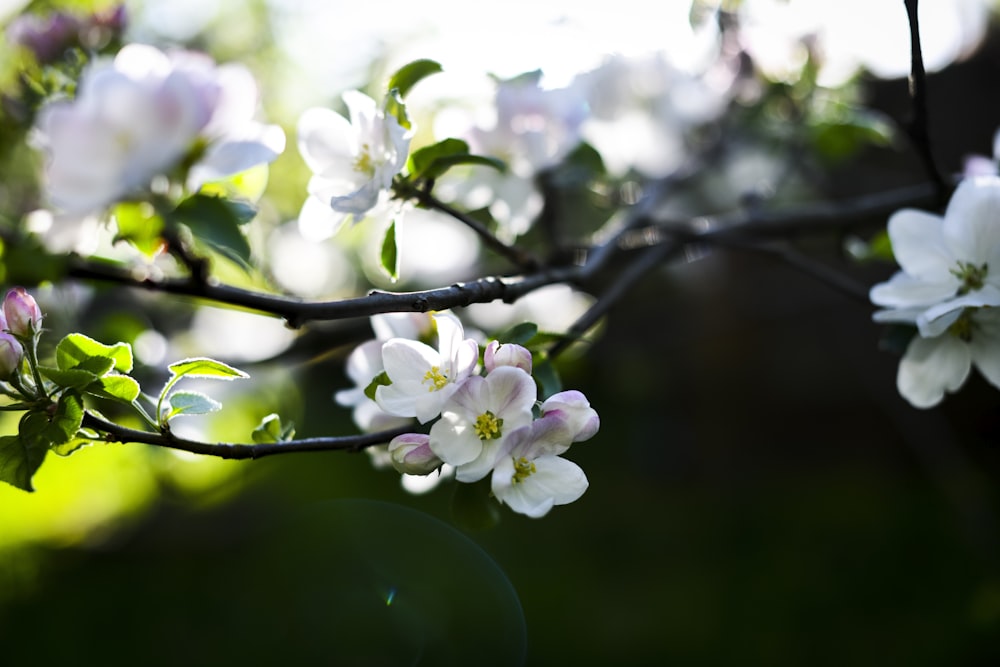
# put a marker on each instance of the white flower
(353, 162)
(947, 264)
(570, 418)
(530, 478)
(499, 354)
(480, 414)
(423, 378)
(365, 363)
(141, 116)
(933, 366)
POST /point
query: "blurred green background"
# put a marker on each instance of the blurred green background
(759, 493)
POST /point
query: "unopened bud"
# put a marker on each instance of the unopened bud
(574, 409)
(506, 354)
(22, 312)
(11, 353)
(411, 454)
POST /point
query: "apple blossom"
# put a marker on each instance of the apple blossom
(353, 162)
(21, 314)
(570, 413)
(411, 454)
(476, 419)
(947, 264)
(423, 378)
(499, 354)
(933, 366)
(143, 115)
(11, 354)
(530, 478)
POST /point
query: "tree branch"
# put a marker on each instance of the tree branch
(918, 125)
(224, 450)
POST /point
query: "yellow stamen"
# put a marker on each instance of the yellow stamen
(487, 426)
(436, 378)
(523, 468)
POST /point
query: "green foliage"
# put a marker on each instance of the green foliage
(170, 405)
(140, 224)
(190, 403)
(519, 334)
(26, 262)
(380, 380)
(389, 255)
(75, 351)
(38, 432)
(546, 376)
(841, 131)
(430, 162)
(270, 430)
(216, 221)
(412, 73)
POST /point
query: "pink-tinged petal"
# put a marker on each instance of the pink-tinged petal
(466, 357)
(499, 354)
(511, 391)
(904, 291)
(918, 245)
(472, 398)
(581, 419)
(428, 404)
(555, 481)
(411, 454)
(326, 139)
(970, 223)
(931, 367)
(237, 99)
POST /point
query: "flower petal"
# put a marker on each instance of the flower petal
(970, 223)
(931, 367)
(918, 245)
(904, 291)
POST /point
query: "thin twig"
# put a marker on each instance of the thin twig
(354, 443)
(918, 126)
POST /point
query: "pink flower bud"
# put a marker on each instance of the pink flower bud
(573, 408)
(10, 355)
(411, 454)
(22, 313)
(506, 354)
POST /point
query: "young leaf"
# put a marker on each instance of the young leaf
(115, 387)
(71, 378)
(519, 333)
(191, 403)
(75, 349)
(546, 376)
(216, 221)
(271, 430)
(139, 224)
(74, 445)
(389, 257)
(203, 367)
(432, 161)
(20, 458)
(410, 74)
(382, 379)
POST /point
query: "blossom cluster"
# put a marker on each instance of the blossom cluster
(486, 417)
(949, 289)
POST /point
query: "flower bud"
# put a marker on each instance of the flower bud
(22, 312)
(10, 355)
(411, 454)
(572, 407)
(506, 354)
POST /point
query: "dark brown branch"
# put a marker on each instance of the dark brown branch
(918, 125)
(355, 443)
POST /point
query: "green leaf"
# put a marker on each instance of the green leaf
(72, 378)
(191, 403)
(75, 349)
(412, 73)
(74, 445)
(115, 387)
(216, 221)
(394, 106)
(24, 261)
(380, 380)
(270, 430)
(20, 458)
(519, 333)
(139, 224)
(432, 161)
(389, 256)
(546, 376)
(203, 367)
(39, 431)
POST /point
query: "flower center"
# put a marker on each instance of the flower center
(972, 276)
(963, 327)
(363, 163)
(522, 470)
(487, 426)
(436, 379)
